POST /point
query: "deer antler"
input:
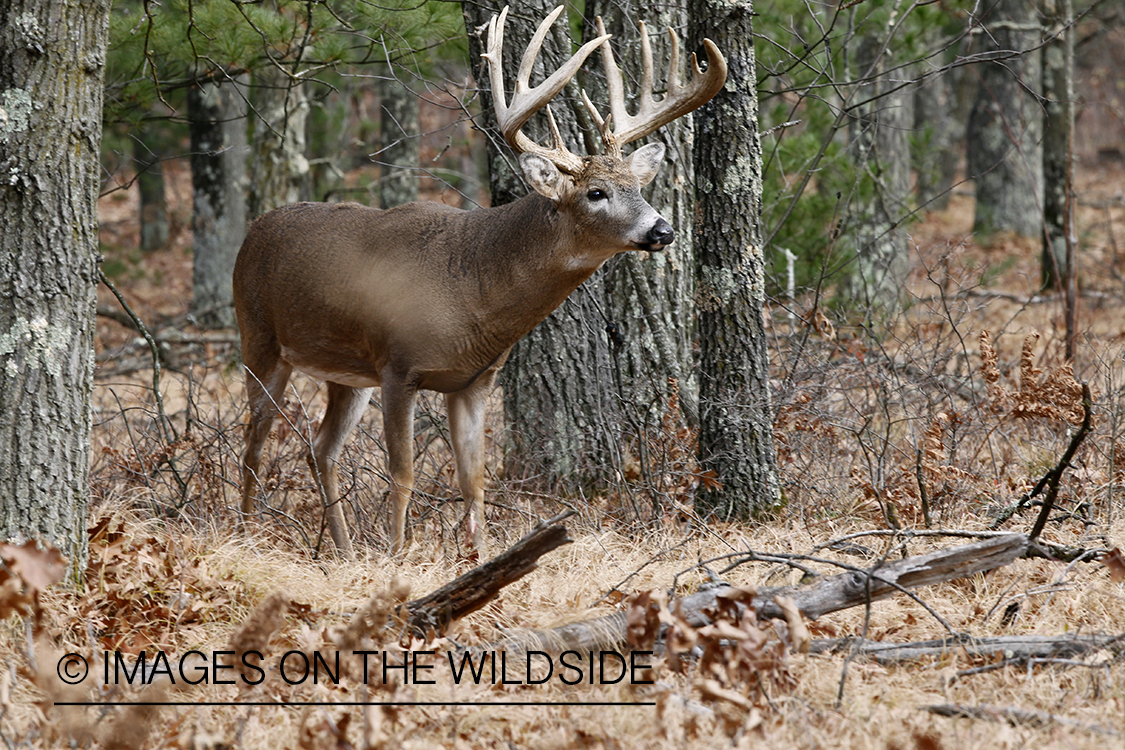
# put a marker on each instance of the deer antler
(526, 101)
(678, 101)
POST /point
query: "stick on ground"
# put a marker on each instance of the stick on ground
(482, 584)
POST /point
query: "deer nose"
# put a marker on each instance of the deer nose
(661, 233)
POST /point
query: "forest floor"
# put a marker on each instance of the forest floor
(862, 422)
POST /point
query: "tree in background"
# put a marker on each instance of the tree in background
(835, 87)
(52, 65)
(735, 418)
(1005, 150)
(149, 164)
(279, 164)
(878, 132)
(399, 140)
(1058, 93)
(218, 184)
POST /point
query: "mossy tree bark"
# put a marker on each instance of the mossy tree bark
(279, 165)
(278, 160)
(582, 390)
(52, 67)
(735, 418)
(217, 119)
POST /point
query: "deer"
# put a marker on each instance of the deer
(424, 296)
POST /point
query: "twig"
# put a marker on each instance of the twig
(926, 517)
(482, 584)
(166, 428)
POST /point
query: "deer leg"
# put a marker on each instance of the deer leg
(398, 431)
(466, 427)
(345, 408)
(265, 386)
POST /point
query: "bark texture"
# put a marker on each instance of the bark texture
(735, 418)
(218, 181)
(935, 162)
(52, 67)
(1006, 125)
(583, 389)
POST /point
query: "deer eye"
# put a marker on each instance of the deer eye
(596, 195)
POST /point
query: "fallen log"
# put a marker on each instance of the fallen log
(1011, 648)
(1015, 717)
(471, 591)
(830, 594)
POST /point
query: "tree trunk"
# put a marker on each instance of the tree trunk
(935, 163)
(218, 181)
(279, 166)
(879, 134)
(581, 389)
(52, 66)
(1006, 124)
(1058, 91)
(735, 418)
(940, 115)
(650, 296)
(399, 142)
(150, 184)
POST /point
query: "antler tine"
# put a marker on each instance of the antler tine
(527, 100)
(677, 102)
(646, 66)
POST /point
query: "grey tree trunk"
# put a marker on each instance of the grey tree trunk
(154, 204)
(1005, 153)
(52, 66)
(399, 142)
(939, 119)
(880, 137)
(1058, 91)
(279, 166)
(218, 180)
(735, 418)
(583, 387)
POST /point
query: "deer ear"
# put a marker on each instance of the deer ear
(645, 162)
(544, 176)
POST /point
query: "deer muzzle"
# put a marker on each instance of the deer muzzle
(659, 236)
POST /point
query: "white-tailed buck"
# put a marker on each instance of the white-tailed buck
(424, 296)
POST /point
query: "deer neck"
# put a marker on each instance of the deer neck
(536, 259)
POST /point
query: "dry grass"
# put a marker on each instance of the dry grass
(226, 590)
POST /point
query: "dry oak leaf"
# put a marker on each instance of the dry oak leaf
(1115, 561)
(38, 568)
(798, 631)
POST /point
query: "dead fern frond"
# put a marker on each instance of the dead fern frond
(1057, 396)
(997, 394)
